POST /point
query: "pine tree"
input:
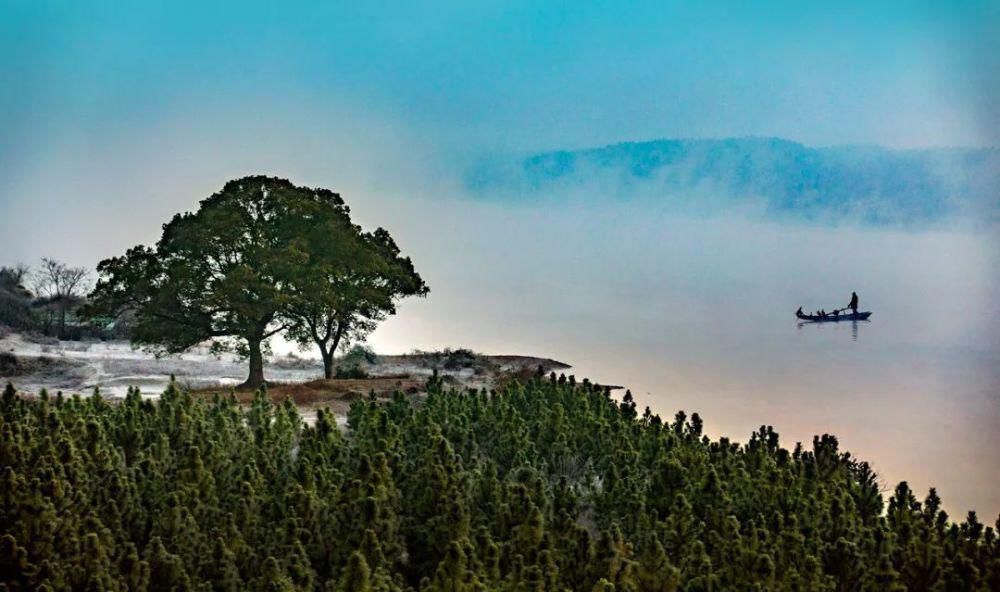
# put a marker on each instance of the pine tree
(356, 576)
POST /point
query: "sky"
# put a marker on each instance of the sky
(516, 74)
(141, 108)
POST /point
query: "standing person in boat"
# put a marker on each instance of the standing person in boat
(854, 303)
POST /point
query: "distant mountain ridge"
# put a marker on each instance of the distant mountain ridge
(874, 184)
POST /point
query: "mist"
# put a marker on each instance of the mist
(696, 313)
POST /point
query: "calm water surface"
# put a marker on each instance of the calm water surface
(698, 314)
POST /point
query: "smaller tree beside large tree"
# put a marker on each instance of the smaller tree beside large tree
(347, 290)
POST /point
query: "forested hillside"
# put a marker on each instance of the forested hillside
(551, 485)
(785, 179)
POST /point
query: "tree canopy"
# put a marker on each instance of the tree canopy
(348, 288)
(550, 486)
(257, 258)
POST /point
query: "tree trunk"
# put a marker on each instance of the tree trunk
(328, 352)
(327, 362)
(256, 377)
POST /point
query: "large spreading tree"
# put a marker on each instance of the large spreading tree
(239, 269)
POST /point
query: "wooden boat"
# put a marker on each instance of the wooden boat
(832, 318)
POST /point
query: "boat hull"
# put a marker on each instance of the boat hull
(860, 316)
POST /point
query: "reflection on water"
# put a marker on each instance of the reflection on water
(853, 324)
(696, 315)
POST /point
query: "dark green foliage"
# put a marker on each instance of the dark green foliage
(456, 359)
(550, 485)
(359, 354)
(15, 299)
(347, 280)
(354, 362)
(350, 372)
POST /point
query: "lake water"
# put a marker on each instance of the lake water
(697, 313)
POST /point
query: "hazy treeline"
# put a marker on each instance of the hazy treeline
(785, 179)
(548, 486)
(47, 300)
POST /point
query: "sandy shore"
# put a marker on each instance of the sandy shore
(114, 367)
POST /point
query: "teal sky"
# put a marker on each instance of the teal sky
(512, 75)
(116, 115)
